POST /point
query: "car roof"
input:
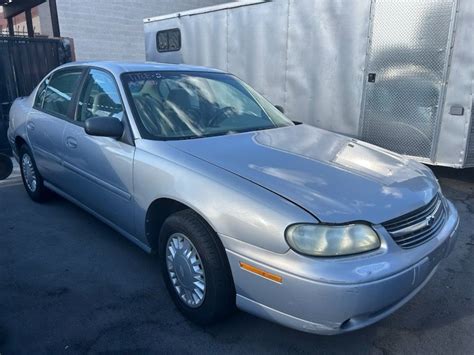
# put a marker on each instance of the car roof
(119, 67)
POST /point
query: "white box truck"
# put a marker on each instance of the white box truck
(396, 73)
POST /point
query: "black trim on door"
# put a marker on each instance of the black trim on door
(72, 112)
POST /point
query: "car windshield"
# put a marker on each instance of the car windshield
(184, 105)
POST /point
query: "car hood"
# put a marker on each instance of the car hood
(335, 178)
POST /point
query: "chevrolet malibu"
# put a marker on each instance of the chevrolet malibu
(295, 224)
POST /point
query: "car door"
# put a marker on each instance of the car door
(47, 120)
(99, 169)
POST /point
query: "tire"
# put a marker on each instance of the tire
(32, 179)
(218, 300)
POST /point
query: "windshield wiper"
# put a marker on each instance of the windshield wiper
(224, 133)
(255, 129)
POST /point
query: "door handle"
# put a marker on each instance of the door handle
(30, 126)
(71, 142)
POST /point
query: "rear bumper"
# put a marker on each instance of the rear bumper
(313, 305)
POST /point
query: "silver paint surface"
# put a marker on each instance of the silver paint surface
(250, 187)
(336, 178)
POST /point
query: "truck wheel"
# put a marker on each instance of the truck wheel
(32, 179)
(195, 268)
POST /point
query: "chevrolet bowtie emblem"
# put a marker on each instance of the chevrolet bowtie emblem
(430, 220)
(422, 224)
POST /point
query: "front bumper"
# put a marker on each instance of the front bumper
(314, 298)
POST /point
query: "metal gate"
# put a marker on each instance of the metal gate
(23, 63)
(406, 73)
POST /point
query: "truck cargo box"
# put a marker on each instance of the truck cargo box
(396, 73)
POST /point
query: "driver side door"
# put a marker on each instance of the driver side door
(100, 168)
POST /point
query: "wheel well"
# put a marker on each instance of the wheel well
(156, 215)
(18, 143)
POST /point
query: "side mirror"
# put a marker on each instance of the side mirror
(104, 127)
(280, 108)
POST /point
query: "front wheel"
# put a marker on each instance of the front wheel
(195, 268)
(31, 177)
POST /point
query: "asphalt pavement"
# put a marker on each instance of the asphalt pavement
(70, 284)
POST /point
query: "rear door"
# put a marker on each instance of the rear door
(47, 120)
(406, 74)
(99, 169)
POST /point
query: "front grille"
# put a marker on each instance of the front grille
(419, 226)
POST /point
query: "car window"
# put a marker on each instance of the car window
(230, 96)
(58, 94)
(99, 97)
(168, 87)
(184, 105)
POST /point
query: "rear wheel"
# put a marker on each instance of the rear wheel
(195, 268)
(32, 179)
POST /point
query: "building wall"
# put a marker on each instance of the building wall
(113, 30)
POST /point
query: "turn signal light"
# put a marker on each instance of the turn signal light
(260, 272)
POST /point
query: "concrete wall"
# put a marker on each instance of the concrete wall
(113, 29)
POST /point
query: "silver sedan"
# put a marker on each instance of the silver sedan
(245, 208)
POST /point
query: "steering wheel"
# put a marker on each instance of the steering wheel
(220, 115)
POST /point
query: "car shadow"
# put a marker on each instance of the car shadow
(465, 175)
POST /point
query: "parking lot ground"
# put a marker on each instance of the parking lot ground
(70, 284)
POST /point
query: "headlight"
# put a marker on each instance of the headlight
(325, 240)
